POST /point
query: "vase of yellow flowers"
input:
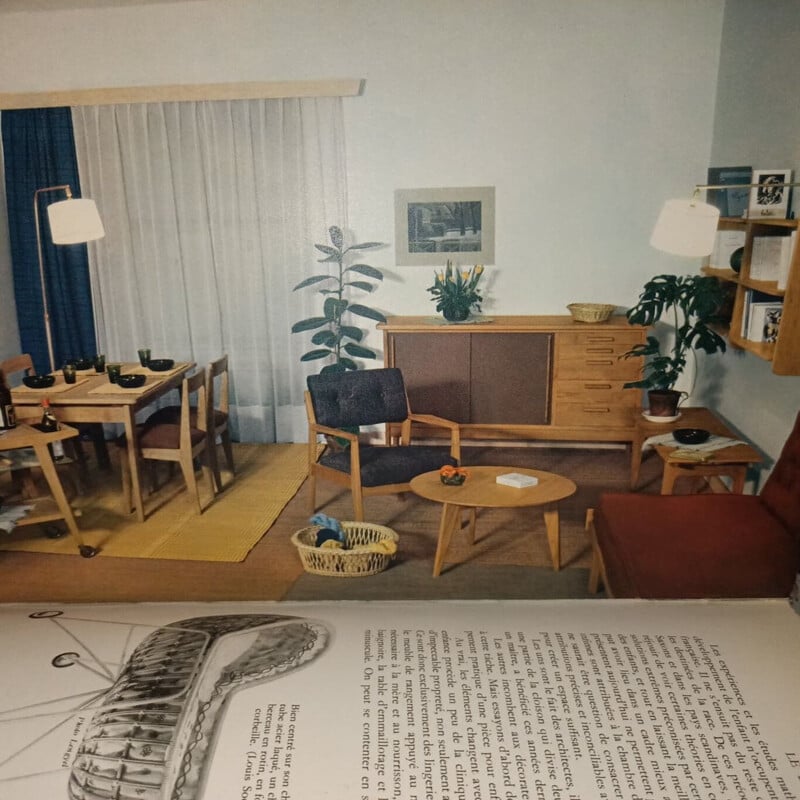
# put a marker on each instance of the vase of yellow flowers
(456, 291)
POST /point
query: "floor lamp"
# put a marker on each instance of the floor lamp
(72, 221)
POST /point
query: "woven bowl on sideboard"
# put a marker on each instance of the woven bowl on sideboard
(590, 312)
(344, 563)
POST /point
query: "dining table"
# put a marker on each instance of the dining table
(93, 398)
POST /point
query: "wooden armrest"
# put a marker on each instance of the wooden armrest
(432, 419)
(351, 437)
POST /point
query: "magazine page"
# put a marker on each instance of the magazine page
(570, 700)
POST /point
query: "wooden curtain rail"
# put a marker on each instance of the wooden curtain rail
(254, 90)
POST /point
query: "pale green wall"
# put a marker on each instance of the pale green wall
(757, 122)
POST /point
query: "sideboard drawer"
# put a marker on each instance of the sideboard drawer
(596, 362)
(592, 415)
(621, 340)
(595, 391)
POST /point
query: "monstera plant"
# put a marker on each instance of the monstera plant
(690, 305)
(336, 336)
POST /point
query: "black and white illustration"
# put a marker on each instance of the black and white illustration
(770, 197)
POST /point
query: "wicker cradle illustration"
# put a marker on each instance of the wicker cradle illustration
(152, 736)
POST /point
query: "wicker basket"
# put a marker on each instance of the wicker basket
(344, 563)
(590, 312)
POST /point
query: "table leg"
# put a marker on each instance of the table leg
(669, 477)
(57, 491)
(133, 463)
(636, 460)
(553, 527)
(451, 517)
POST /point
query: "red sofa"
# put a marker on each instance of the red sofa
(701, 546)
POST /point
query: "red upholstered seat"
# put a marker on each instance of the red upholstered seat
(719, 545)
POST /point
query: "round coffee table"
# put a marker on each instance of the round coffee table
(481, 490)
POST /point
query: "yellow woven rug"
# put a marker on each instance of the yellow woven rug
(267, 477)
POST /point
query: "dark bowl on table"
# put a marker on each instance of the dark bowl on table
(690, 435)
(83, 363)
(160, 364)
(131, 381)
(39, 381)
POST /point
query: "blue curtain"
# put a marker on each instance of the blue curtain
(39, 151)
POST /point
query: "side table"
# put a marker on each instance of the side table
(730, 461)
(28, 436)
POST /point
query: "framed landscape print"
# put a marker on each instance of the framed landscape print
(434, 225)
(768, 198)
(730, 202)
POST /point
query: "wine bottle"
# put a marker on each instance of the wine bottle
(8, 418)
(50, 423)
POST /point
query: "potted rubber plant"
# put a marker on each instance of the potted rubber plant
(336, 335)
(690, 305)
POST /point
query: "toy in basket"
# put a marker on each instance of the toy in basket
(361, 548)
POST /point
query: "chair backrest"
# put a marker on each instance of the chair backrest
(193, 396)
(360, 397)
(781, 492)
(217, 395)
(15, 364)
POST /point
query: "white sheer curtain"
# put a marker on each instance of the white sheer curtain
(211, 212)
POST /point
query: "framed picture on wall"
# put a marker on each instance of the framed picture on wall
(730, 202)
(768, 198)
(434, 225)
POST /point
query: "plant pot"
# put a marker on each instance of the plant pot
(665, 402)
(456, 314)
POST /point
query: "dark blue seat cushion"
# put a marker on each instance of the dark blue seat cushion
(385, 465)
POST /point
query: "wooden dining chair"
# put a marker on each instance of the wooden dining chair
(180, 441)
(218, 403)
(217, 394)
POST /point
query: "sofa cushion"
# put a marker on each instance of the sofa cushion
(707, 545)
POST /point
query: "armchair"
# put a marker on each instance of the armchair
(706, 545)
(337, 403)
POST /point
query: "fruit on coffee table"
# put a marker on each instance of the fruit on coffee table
(453, 476)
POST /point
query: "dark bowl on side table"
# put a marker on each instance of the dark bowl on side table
(131, 381)
(160, 364)
(690, 435)
(39, 381)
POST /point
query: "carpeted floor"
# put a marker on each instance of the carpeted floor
(509, 559)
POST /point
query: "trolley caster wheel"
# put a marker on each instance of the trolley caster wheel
(54, 532)
(87, 551)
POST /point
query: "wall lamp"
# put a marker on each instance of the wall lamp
(688, 227)
(72, 221)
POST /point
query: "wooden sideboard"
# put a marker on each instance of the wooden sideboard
(520, 377)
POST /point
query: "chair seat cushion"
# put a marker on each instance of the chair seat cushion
(697, 546)
(171, 414)
(167, 436)
(382, 465)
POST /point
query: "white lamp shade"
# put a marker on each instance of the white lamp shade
(686, 228)
(75, 221)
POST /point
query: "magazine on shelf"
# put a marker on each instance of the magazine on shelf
(754, 304)
(757, 326)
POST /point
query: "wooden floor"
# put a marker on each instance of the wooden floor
(273, 565)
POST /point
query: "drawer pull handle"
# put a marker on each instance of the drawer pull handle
(596, 410)
(596, 385)
(599, 350)
(600, 339)
(597, 362)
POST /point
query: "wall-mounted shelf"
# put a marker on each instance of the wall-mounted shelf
(784, 352)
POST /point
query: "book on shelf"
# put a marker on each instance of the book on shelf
(768, 256)
(726, 243)
(786, 260)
